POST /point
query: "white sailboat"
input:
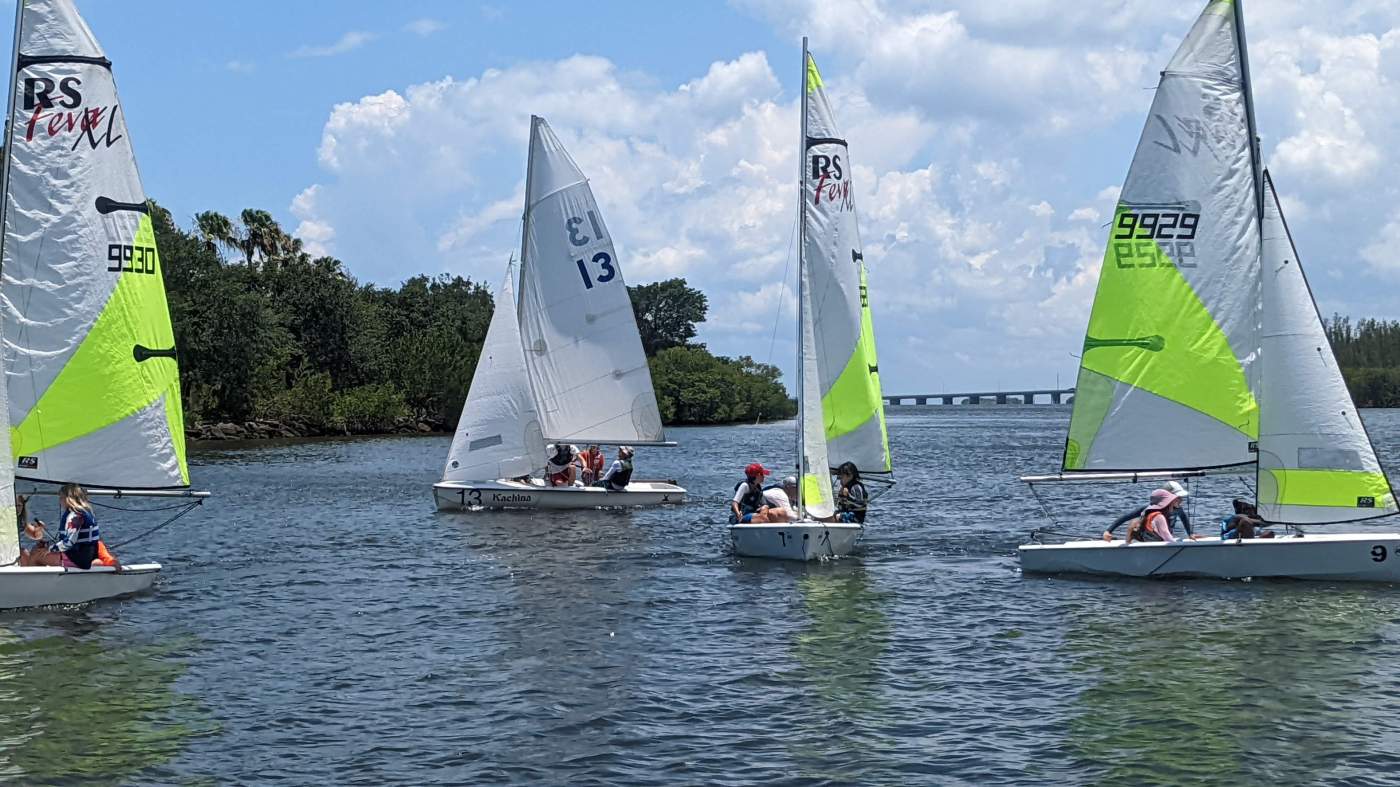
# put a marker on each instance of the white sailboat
(92, 393)
(841, 416)
(1205, 352)
(564, 364)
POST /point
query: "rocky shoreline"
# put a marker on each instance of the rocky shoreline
(269, 429)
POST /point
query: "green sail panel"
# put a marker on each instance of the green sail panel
(1166, 380)
(89, 358)
(853, 413)
(1316, 462)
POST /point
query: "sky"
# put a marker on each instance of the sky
(989, 143)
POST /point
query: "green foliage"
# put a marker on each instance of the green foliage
(270, 332)
(667, 312)
(368, 409)
(695, 387)
(1369, 356)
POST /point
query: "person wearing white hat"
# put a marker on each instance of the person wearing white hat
(1178, 512)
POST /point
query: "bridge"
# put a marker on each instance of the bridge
(1025, 395)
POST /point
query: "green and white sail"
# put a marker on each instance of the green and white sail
(1166, 379)
(1316, 462)
(89, 356)
(852, 409)
(582, 348)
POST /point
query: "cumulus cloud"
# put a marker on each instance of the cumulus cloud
(982, 136)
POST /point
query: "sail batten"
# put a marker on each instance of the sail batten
(89, 353)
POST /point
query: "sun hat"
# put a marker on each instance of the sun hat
(757, 469)
(1176, 489)
(790, 481)
(1161, 498)
(626, 451)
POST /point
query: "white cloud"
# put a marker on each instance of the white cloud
(350, 41)
(425, 27)
(316, 235)
(241, 66)
(967, 128)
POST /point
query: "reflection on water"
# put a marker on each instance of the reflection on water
(837, 670)
(76, 707)
(1239, 688)
(347, 633)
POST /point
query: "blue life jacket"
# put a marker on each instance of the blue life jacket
(84, 547)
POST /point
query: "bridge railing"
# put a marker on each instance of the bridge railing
(1020, 395)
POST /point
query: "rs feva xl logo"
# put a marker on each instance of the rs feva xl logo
(55, 109)
(830, 182)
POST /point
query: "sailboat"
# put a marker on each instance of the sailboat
(563, 364)
(92, 389)
(1205, 352)
(841, 415)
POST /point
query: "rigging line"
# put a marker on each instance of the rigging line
(1043, 508)
(161, 526)
(108, 506)
(778, 316)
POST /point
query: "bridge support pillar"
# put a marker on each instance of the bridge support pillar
(1055, 397)
(1001, 398)
(974, 400)
(946, 400)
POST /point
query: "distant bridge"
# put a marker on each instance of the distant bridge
(1024, 395)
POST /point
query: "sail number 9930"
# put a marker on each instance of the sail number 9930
(125, 258)
(1147, 240)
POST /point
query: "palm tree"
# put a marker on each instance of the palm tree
(216, 230)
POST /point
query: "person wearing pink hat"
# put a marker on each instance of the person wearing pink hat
(1154, 524)
(1177, 513)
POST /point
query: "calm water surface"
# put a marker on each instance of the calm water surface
(318, 623)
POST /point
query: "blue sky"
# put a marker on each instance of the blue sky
(989, 139)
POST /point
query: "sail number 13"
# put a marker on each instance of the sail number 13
(578, 236)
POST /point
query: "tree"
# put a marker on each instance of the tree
(217, 231)
(667, 313)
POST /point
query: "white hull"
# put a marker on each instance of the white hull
(44, 586)
(1357, 557)
(517, 494)
(795, 540)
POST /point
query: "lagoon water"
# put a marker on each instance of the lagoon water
(318, 623)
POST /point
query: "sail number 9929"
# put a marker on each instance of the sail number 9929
(125, 258)
(1147, 240)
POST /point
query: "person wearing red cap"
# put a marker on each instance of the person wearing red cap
(748, 494)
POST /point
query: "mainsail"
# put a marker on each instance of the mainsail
(499, 434)
(582, 348)
(89, 355)
(1166, 378)
(853, 412)
(1316, 462)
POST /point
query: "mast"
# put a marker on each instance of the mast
(9, 132)
(1256, 162)
(801, 263)
(525, 215)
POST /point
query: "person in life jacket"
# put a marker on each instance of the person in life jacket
(852, 497)
(1178, 513)
(591, 464)
(748, 494)
(619, 473)
(561, 464)
(1244, 523)
(78, 543)
(1155, 522)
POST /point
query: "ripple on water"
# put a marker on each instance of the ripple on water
(318, 623)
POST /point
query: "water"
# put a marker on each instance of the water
(318, 624)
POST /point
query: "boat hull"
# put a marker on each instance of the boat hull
(1352, 557)
(44, 586)
(495, 495)
(795, 540)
